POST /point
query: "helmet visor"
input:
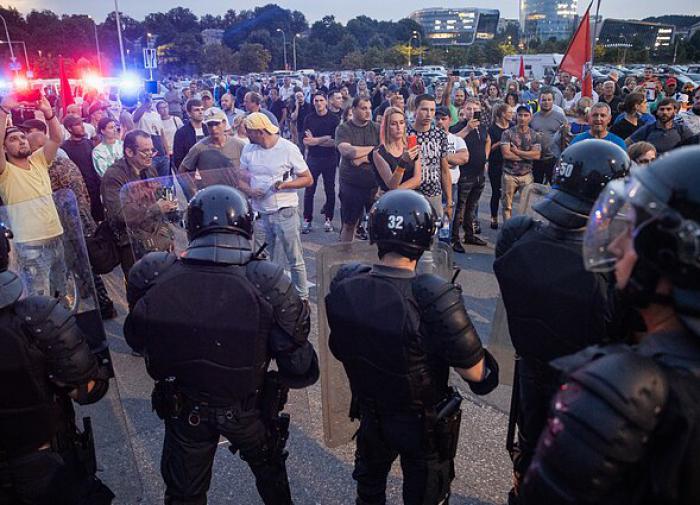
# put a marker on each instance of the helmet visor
(610, 218)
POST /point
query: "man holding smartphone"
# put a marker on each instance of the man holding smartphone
(25, 187)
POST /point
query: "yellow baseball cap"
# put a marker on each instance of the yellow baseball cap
(259, 121)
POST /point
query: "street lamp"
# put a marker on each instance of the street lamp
(420, 47)
(149, 35)
(119, 34)
(294, 49)
(410, 46)
(97, 45)
(24, 47)
(284, 46)
(9, 43)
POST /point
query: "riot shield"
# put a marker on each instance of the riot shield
(48, 253)
(338, 429)
(154, 209)
(499, 343)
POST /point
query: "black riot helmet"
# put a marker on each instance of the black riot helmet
(659, 208)
(219, 209)
(402, 221)
(10, 284)
(581, 174)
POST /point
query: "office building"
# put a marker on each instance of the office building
(628, 33)
(457, 26)
(547, 19)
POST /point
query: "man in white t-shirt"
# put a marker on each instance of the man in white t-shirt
(276, 170)
(148, 120)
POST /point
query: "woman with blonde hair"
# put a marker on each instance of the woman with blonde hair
(396, 165)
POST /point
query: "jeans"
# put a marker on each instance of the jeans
(42, 266)
(511, 185)
(469, 193)
(284, 226)
(495, 178)
(320, 167)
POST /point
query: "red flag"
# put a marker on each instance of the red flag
(578, 58)
(66, 94)
(521, 72)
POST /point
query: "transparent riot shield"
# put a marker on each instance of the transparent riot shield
(499, 340)
(154, 209)
(338, 429)
(48, 253)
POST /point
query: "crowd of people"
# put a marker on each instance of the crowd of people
(418, 154)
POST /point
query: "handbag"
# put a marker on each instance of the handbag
(102, 249)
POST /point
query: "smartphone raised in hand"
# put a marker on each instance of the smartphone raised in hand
(411, 141)
(477, 115)
(28, 95)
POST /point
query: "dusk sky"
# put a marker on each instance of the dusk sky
(343, 11)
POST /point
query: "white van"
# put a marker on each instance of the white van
(536, 65)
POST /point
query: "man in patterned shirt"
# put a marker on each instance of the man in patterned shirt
(434, 149)
(520, 146)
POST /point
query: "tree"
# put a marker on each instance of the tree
(327, 30)
(354, 59)
(219, 59)
(253, 58)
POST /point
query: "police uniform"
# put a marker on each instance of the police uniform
(43, 358)
(397, 335)
(625, 426)
(209, 322)
(554, 306)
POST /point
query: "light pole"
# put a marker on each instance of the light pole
(97, 45)
(294, 50)
(148, 45)
(119, 34)
(24, 47)
(410, 46)
(284, 46)
(9, 43)
(420, 47)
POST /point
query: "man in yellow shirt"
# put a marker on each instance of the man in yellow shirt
(25, 189)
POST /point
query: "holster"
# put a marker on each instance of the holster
(166, 400)
(77, 446)
(272, 401)
(447, 417)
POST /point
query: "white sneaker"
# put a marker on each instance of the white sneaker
(328, 226)
(306, 228)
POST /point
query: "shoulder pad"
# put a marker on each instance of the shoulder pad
(512, 231)
(41, 315)
(444, 320)
(269, 279)
(147, 269)
(347, 271)
(605, 415)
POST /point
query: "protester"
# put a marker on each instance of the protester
(218, 140)
(397, 166)
(150, 121)
(171, 124)
(520, 146)
(355, 140)
(276, 170)
(503, 116)
(319, 139)
(190, 133)
(110, 148)
(691, 117)
(252, 102)
(599, 119)
(630, 120)
(25, 188)
(665, 134)
(79, 150)
(641, 153)
(547, 121)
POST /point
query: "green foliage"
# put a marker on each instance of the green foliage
(253, 58)
(219, 59)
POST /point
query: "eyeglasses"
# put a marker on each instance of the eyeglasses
(147, 152)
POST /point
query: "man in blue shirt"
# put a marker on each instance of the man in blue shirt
(599, 119)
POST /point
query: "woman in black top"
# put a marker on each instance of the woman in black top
(396, 166)
(502, 117)
(632, 107)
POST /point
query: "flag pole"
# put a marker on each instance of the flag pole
(595, 31)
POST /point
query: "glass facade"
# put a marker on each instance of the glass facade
(459, 26)
(621, 33)
(545, 19)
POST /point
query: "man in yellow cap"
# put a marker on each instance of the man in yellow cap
(276, 170)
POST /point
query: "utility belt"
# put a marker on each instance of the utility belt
(441, 420)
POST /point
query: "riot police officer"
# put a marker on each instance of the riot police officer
(45, 363)
(624, 426)
(209, 322)
(397, 335)
(554, 306)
